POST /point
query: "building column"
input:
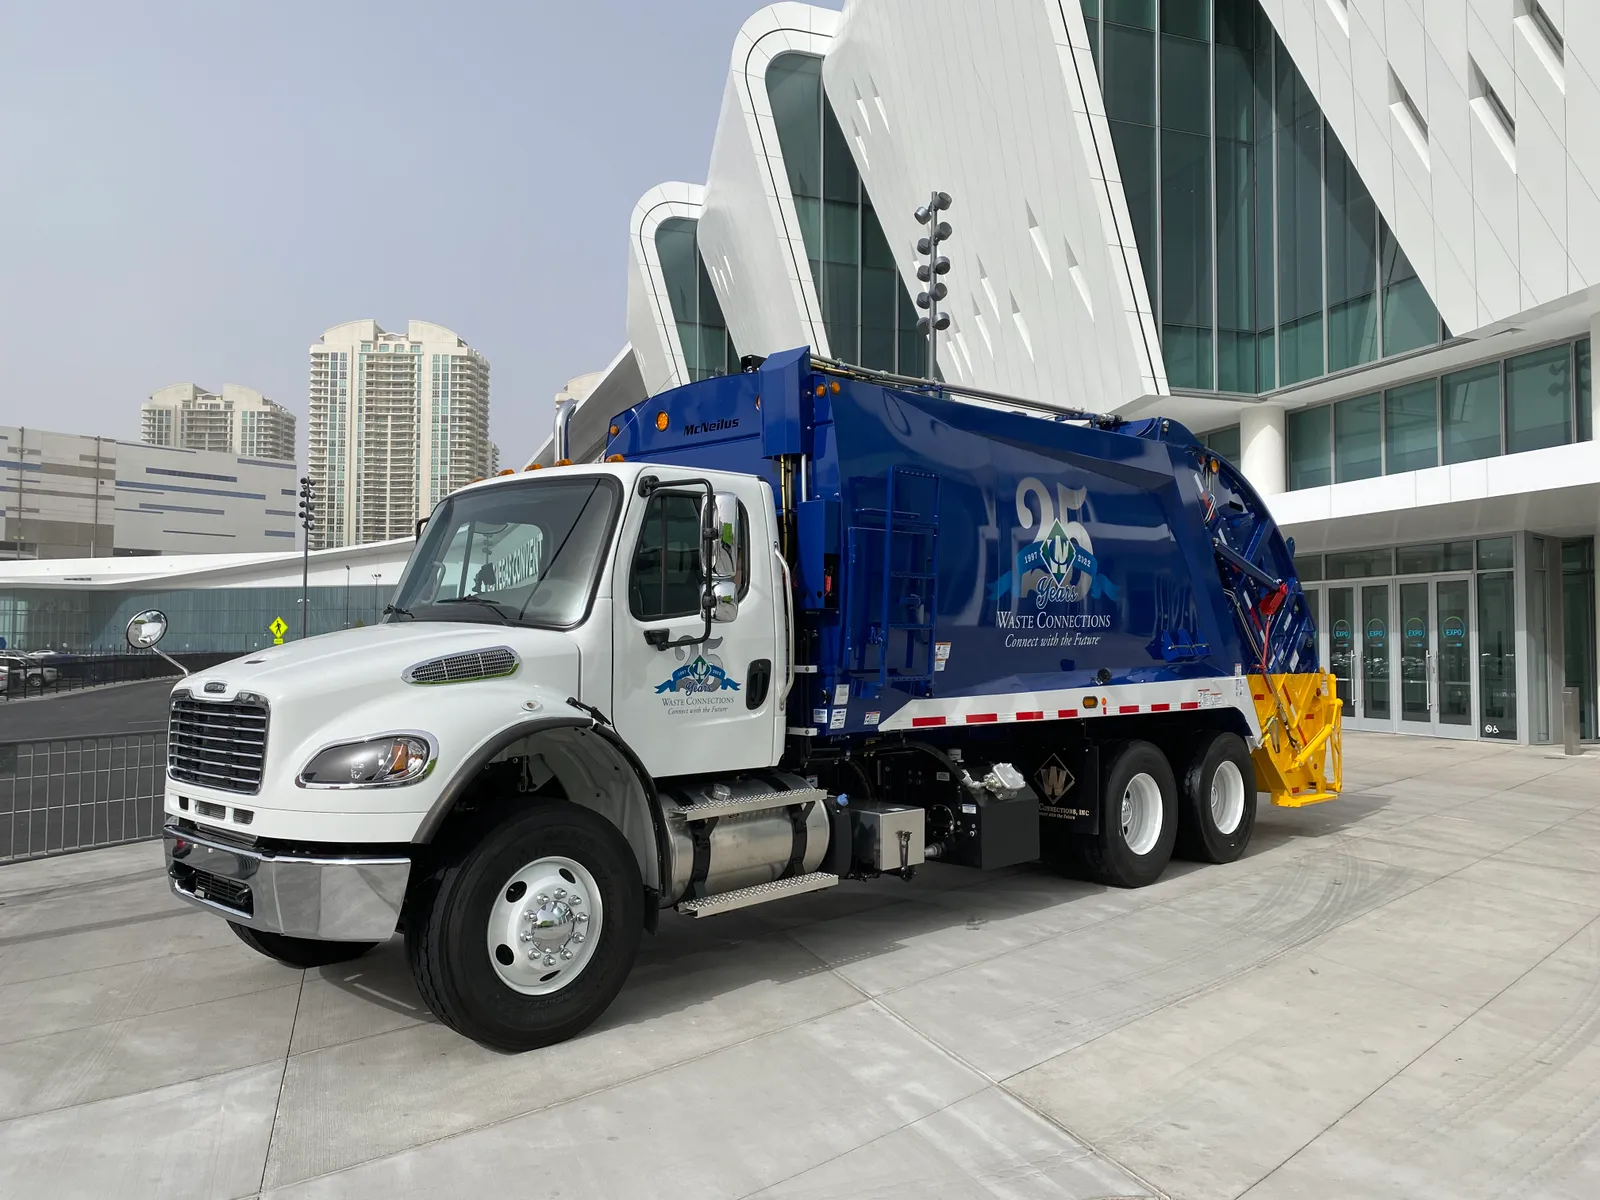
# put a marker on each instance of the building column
(1261, 448)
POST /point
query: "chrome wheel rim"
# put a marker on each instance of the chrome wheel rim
(1227, 797)
(1141, 813)
(544, 925)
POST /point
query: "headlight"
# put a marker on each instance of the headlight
(385, 761)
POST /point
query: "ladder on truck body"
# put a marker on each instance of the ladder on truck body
(892, 560)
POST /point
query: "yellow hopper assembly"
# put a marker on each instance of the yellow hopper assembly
(1300, 759)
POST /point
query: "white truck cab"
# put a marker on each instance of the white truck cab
(578, 634)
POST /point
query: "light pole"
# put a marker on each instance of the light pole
(308, 518)
(347, 595)
(928, 272)
(376, 578)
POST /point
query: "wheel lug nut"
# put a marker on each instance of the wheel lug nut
(527, 935)
(577, 899)
(578, 937)
(566, 954)
(549, 960)
(561, 893)
(582, 916)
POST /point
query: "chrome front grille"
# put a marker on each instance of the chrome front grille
(217, 744)
(491, 663)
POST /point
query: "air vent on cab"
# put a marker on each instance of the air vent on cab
(492, 663)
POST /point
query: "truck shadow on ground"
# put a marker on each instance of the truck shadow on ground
(689, 963)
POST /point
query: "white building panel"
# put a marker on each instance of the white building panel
(652, 330)
(749, 232)
(1479, 200)
(1047, 296)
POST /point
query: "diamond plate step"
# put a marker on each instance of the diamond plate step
(799, 885)
(742, 804)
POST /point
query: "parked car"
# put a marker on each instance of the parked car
(27, 670)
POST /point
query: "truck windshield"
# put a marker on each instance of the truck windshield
(522, 553)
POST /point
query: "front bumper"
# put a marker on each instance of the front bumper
(330, 898)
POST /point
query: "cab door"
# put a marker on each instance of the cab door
(706, 707)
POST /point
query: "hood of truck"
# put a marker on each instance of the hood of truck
(350, 686)
(353, 662)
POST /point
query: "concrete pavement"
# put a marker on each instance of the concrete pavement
(1394, 995)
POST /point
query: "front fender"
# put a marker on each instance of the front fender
(597, 741)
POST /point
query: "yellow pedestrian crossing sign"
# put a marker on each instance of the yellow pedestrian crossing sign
(278, 630)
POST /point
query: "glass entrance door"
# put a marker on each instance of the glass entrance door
(1360, 653)
(1377, 684)
(1341, 659)
(1436, 657)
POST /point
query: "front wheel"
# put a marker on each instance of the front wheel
(304, 953)
(529, 936)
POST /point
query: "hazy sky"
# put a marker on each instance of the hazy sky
(196, 191)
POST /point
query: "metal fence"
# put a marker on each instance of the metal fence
(78, 793)
(22, 677)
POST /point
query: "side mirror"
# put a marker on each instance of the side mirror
(724, 601)
(147, 628)
(722, 529)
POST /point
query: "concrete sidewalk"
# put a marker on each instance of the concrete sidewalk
(1395, 995)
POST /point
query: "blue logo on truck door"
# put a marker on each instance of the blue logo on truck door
(700, 687)
(698, 677)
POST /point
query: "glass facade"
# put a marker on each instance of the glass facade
(1309, 446)
(1225, 442)
(702, 330)
(1473, 637)
(1526, 402)
(1266, 259)
(1497, 655)
(232, 620)
(866, 312)
(1578, 628)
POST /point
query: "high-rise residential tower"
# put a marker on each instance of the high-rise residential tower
(397, 421)
(239, 420)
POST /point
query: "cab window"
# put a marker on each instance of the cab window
(666, 579)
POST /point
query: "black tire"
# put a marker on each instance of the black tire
(1200, 835)
(1106, 857)
(303, 953)
(446, 931)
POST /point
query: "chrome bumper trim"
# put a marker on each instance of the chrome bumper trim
(336, 899)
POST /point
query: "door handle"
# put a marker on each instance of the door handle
(1433, 703)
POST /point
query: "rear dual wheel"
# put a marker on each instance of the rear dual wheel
(1138, 820)
(1206, 811)
(1217, 805)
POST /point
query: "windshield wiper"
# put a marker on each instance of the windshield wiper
(505, 617)
(398, 611)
